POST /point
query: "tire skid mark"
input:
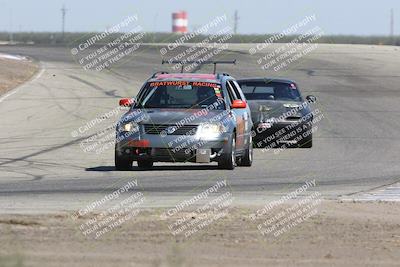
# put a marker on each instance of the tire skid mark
(111, 93)
(66, 111)
(46, 150)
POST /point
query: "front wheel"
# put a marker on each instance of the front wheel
(121, 163)
(306, 142)
(145, 164)
(228, 160)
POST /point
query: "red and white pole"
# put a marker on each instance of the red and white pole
(179, 22)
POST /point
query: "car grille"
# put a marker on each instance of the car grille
(165, 154)
(163, 129)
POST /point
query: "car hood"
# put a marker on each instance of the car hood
(266, 109)
(173, 116)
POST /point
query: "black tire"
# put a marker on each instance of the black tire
(306, 142)
(247, 159)
(145, 164)
(228, 160)
(121, 163)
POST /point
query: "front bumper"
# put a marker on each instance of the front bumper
(172, 148)
(287, 133)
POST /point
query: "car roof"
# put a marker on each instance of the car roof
(263, 79)
(185, 76)
(204, 77)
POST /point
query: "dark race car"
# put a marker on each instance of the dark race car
(280, 115)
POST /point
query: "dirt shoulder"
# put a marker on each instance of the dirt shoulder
(15, 72)
(339, 234)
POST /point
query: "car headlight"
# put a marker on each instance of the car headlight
(211, 129)
(129, 127)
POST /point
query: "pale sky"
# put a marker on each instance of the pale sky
(359, 17)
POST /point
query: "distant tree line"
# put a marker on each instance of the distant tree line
(52, 38)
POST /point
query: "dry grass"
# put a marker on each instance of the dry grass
(14, 73)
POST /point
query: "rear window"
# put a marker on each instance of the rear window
(270, 91)
(182, 94)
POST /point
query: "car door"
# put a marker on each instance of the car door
(249, 121)
(239, 114)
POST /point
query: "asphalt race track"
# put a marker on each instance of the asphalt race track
(43, 167)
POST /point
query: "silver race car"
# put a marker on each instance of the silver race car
(185, 117)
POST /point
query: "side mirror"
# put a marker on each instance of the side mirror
(311, 99)
(238, 104)
(126, 102)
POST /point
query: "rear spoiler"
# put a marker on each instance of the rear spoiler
(200, 62)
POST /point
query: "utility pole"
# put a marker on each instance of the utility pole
(235, 22)
(391, 22)
(63, 12)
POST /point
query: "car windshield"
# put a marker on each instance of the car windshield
(195, 95)
(270, 91)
